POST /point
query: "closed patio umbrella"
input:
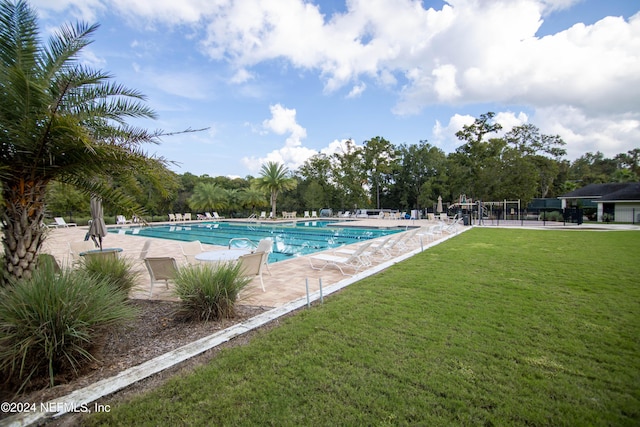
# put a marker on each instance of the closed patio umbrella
(439, 207)
(97, 229)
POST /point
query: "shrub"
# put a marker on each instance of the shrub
(118, 271)
(209, 291)
(551, 216)
(51, 323)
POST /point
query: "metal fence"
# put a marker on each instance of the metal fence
(551, 217)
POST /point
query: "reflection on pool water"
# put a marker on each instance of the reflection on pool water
(290, 240)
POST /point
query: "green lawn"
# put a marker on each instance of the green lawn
(493, 327)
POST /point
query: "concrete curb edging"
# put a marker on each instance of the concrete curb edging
(79, 399)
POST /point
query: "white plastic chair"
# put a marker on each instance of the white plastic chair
(190, 250)
(251, 265)
(161, 268)
(266, 246)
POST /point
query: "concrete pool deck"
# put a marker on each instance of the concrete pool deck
(284, 282)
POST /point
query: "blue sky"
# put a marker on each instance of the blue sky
(283, 80)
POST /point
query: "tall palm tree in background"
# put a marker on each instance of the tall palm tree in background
(274, 178)
(60, 121)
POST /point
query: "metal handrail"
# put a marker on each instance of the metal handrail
(251, 242)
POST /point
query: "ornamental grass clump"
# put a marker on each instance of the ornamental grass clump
(118, 271)
(209, 291)
(51, 324)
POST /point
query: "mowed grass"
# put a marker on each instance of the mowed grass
(493, 327)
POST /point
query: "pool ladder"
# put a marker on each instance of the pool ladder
(245, 239)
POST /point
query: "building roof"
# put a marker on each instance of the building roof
(610, 192)
(628, 193)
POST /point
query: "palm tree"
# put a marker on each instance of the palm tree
(208, 196)
(274, 177)
(60, 121)
(253, 197)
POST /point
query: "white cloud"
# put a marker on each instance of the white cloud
(582, 83)
(184, 84)
(582, 133)
(82, 10)
(241, 76)
(283, 120)
(357, 90)
(468, 52)
(292, 154)
(445, 83)
(444, 136)
(92, 60)
(508, 120)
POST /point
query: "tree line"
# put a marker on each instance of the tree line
(523, 164)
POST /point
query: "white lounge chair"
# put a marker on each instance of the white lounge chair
(306, 214)
(432, 231)
(121, 219)
(314, 214)
(452, 228)
(172, 217)
(377, 247)
(187, 216)
(399, 241)
(178, 217)
(356, 261)
(161, 268)
(263, 215)
(216, 216)
(190, 250)
(60, 222)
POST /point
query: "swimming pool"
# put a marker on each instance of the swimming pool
(289, 240)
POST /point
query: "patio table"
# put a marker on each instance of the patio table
(222, 255)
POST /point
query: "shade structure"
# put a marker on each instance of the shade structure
(439, 207)
(97, 229)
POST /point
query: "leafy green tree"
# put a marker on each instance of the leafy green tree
(379, 157)
(314, 196)
(419, 176)
(629, 161)
(349, 176)
(63, 198)
(317, 175)
(540, 159)
(592, 168)
(477, 159)
(274, 178)
(61, 121)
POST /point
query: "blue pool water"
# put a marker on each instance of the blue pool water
(290, 240)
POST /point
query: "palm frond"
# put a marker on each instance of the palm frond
(63, 48)
(18, 35)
